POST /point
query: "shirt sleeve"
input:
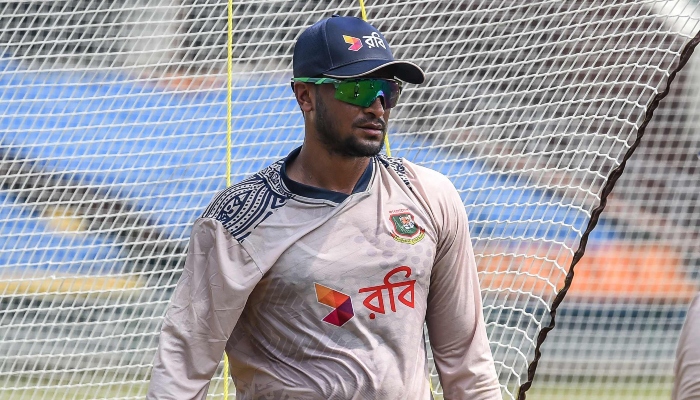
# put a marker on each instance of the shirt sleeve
(686, 385)
(217, 279)
(454, 317)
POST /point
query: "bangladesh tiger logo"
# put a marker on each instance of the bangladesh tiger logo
(405, 229)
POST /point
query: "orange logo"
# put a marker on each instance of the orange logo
(341, 303)
(355, 43)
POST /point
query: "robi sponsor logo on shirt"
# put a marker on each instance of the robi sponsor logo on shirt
(399, 289)
(341, 303)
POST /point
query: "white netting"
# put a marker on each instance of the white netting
(113, 140)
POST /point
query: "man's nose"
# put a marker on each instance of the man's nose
(377, 107)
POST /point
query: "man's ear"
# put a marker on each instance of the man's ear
(304, 96)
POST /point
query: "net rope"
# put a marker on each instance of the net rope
(610, 182)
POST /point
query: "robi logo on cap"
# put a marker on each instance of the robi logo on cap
(355, 43)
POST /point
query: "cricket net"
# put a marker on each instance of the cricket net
(113, 139)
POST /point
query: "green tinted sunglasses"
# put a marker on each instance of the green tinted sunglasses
(361, 91)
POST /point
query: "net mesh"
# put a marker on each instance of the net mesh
(113, 140)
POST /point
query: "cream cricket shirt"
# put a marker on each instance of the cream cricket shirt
(686, 383)
(315, 294)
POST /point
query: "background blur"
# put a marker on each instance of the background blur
(113, 129)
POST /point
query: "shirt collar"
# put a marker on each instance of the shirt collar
(320, 193)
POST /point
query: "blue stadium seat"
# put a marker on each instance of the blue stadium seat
(165, 152)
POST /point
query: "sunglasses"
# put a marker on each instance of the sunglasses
(361, 91)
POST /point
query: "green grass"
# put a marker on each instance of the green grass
(602, 389)
(103, 386)
(92, 387)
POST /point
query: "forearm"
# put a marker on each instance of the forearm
(183, 366)
(463, 356)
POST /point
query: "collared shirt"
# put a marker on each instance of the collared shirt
(315, 294)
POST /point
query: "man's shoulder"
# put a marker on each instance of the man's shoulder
(416, 176)
(242, 206)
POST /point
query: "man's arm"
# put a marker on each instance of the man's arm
(455, 318)
(686, 385)
(213, 289)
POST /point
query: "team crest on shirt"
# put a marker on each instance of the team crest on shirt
(404, 227)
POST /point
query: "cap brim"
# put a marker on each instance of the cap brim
(404, 70)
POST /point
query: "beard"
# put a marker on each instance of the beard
(350, 146)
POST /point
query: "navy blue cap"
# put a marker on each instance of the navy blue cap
(347, 47)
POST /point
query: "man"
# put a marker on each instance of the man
(686, 385)
(316, 274)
